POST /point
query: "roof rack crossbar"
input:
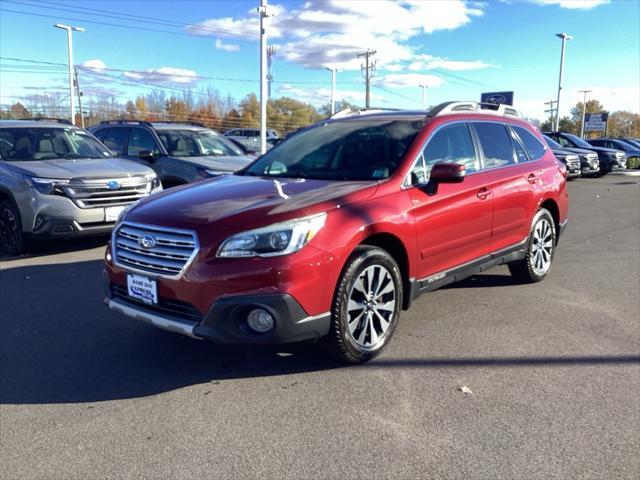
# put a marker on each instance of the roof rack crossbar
(195, 124)
(355, 111)
(49, 119)
(471, 106)
(125, 122)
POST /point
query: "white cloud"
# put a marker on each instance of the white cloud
(321, 96)
(429, 62)
(227, 47)
(94, 64)
(573, 4)
(164, 76)
(330, 33)
(402, 80)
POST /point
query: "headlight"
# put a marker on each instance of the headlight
(48, 186)
(274, 240)
(155, 181)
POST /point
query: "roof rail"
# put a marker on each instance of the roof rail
(49, 119)
(354, 111)
(448, 108)
(195, 124)
(125, 122)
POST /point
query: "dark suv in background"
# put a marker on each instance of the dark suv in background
(630, 150)
(587, 160)
(610, 159)
(178, 152)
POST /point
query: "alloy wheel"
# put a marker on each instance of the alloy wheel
(371, 306)
(542, 247)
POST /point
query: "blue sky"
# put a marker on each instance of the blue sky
(459, 48)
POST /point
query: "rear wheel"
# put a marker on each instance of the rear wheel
(11, 238)
(366, 306)
(541, 247)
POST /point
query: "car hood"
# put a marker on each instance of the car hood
(244, 202)
(562, 152)
(579, 151)
(225, 163)
(606, 151)
(81, 168)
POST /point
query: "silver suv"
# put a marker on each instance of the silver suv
(57, 180)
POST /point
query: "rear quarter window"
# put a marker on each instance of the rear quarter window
(116, 139)
(532, 145)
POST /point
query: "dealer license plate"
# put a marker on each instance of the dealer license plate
(142, 288)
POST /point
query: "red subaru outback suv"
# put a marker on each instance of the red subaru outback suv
(333, 232)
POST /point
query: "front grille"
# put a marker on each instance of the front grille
(156, 250)
(573, 162)
(96, 193)
(174, 308)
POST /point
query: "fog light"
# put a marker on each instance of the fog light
(260, 320)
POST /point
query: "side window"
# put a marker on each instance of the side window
(533, 146)
(141, 140)
(521, 155)
(100, 134)
(496, 144)
(451, 144)
(116, 139)
(563, 141)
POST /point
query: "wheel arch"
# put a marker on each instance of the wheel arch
(392, 244)
(551, 205)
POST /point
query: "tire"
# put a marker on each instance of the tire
(11, 237)
(541, 248)
(362, 326)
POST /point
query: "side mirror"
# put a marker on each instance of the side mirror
(447, 173)
(147, 156)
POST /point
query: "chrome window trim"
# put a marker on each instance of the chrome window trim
(127, 268)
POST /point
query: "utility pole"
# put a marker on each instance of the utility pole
(264, 12)
(333, 88)
(368, 72)
(69, 29)
(551, 111)
(584, 109)
(424, 92)
(271, 51)
(564, 38)
(79, 98)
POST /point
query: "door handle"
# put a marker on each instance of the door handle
(532, 178)
(484, 193)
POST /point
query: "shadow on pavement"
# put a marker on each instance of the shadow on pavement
(59, 344)
(40, 248)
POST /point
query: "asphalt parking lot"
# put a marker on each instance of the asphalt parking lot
(554, 371)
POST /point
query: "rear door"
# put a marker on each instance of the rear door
(453, 225)
(514, 182)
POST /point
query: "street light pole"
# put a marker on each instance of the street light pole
(564, 38)
(333, 89)
(584, 110)
(424, 92)
(263, 10)
(69, 28)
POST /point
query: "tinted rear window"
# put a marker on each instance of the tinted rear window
(496, 144)
(534, 147)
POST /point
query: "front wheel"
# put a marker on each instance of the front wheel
(366, 305)
(541, 248)
(11, 238)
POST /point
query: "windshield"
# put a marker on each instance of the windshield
(577, 141)
(197, 143)
(32, 144)
(363, 149)
(551, 142)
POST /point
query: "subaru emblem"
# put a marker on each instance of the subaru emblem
(147, 241)
(113, 185)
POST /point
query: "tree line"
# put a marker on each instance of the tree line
(206, 106)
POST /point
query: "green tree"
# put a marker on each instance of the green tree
(593, 106)
(286, 114)
(250, 111)
(176, 110)
(341, 105)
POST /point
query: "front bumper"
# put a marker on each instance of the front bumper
(225, 322)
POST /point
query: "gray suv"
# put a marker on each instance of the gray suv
(178, 152)
(57, 180)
